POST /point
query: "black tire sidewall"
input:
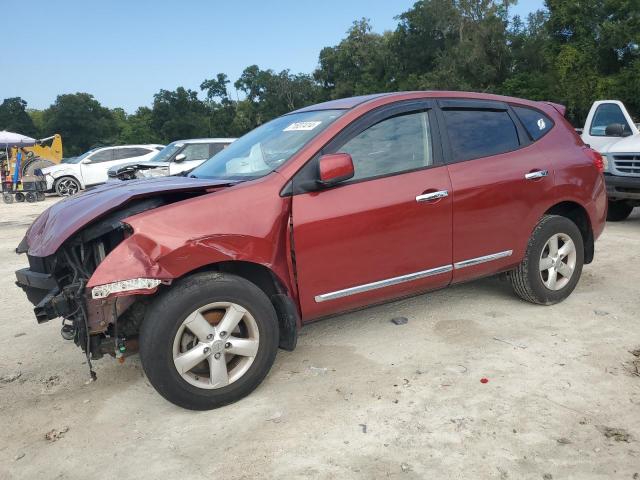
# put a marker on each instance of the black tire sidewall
(164, 317)
(618, 210)
(552, 226)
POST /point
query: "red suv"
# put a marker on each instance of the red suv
(327, 209)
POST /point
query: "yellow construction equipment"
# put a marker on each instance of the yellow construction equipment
(46, 152)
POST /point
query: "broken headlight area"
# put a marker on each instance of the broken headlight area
(101, 320)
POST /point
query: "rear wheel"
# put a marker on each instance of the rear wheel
(66, 186)
(618, 210)
(19, 197)
(7, 198)
(552, 264)
(30, 197)
(209, 341)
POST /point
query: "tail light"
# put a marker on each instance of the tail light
(598, 161)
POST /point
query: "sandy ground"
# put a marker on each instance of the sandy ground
(360, 397)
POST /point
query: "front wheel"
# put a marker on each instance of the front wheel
(208, 341)
(618, 210)
(66, 186)
(552, 264)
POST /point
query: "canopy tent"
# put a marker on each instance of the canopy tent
(10, 139)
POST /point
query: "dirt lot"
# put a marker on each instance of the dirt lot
(360, 397)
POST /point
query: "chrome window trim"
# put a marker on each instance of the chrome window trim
(383, 283)
(478, 260)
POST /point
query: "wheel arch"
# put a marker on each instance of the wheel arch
(267, 280)
(578, 215)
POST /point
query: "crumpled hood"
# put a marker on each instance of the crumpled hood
(119, 168)
(60, 221)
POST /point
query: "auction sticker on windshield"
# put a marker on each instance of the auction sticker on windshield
(297, 126)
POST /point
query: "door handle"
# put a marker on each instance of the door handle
(537, 174)
(427, 197)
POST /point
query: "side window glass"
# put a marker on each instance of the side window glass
(536, 123)
(124, 153)
(216, 148)
(102, 156)
(394, 145)
(607, 114)
(480, 133)
(196, 151)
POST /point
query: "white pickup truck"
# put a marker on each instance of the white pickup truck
(610, 130)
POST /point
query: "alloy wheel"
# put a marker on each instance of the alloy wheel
(67, 187)
(215, 345)
(557, 261)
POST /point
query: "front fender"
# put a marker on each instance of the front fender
(244, 223)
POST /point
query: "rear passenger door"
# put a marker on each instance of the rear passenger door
(499, 178)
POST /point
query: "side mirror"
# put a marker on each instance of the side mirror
(180, 158)
(614, 130)
(335, 168)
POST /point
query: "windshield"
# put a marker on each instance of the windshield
(167, 152)
(264, 149)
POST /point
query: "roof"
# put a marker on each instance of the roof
(342, 103)
(206, 140)
(352, 102)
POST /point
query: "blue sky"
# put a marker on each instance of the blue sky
(124, 51)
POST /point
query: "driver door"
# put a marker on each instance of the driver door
(94, 168)
(386, 233)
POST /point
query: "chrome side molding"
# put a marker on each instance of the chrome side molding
(487, 258)
(410, 277)
(383, 283)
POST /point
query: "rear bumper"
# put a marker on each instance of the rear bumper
(619, 188)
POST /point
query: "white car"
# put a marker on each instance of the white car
(91, 167)
(177, 157)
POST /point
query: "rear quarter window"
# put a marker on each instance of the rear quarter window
(536, 123)
(480, 133)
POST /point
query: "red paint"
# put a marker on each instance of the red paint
(350, 234)
(484, 380)
(336, 167)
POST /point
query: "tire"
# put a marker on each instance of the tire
(66, 186)
(531, 281)
(618, 211)
(165, 328)
(7, 198)
(30, 197)
(40, 196)
(19, 197)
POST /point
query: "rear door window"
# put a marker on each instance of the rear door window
(536, 123)
(608, 114)
(479, 133)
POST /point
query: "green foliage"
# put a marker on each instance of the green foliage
(14, 117)
(81, 121)
(573, 52)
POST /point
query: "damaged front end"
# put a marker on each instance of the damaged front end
(56, 285)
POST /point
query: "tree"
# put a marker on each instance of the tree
(179, 114)
(14, 117)
(82, 122)
(360, 64)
